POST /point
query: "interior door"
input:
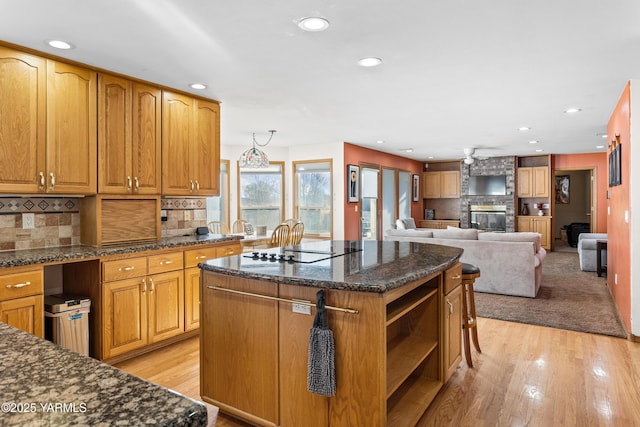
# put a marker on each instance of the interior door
(370, 206)
(389, 214)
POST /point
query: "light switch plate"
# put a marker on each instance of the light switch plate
(301, 308)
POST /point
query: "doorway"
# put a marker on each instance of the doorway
(575, 201)
(369, 215)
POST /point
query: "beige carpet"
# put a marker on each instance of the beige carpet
(568, 299)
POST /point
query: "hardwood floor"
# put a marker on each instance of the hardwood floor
(526, 375)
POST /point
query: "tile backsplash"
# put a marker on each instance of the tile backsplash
(56, 221)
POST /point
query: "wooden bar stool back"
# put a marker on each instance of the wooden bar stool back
(469, 275)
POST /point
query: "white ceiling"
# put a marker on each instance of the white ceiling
(455, 73)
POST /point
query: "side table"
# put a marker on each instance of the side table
(600, 246)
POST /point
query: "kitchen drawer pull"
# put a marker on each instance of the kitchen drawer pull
(166, 262)
(456, 277)
(127, 268)
(18, 285)
(229, 252)
(201, 257)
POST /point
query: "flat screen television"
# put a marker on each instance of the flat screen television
(488, 185)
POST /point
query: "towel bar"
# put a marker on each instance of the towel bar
(292, 301)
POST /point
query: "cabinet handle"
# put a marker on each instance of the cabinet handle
(19, 285)
(201, 257)
(197, 186)
(129, 184)
(137, 183)
(42, 182)
(167, 262)
(127, 268)
(153, 288)
(229, 252)
(191, 185)
(450, 306)
(456, 277)
(144, 286)
(52, 180)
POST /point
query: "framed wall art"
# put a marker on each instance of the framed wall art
(415, 188)
(353, 183)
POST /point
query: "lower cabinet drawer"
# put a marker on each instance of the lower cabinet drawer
(124, 268)
(165, 262)
(21, 284)
(452, 278)
(195, 256)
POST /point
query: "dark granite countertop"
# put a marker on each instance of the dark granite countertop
(359, 265)
(42, 384)
(80, 252)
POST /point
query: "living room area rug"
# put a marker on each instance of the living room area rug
(568, 299)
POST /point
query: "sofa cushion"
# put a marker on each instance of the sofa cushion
(415, 232)
(520, 236)
(456, 234)
(405, 224)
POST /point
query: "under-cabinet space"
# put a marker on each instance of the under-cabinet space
(398, 308)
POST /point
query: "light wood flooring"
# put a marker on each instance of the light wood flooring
(526, 376)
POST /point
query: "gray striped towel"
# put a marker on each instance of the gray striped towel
(321, 377)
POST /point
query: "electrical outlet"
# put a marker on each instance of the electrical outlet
(301, 308)
(28, 221)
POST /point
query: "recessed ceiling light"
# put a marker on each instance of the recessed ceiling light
(370, 62)
(533, 142)
(198, 86)
(601, 135)
(599, 147)
(524, 128)
(408, 150)
(59, 44)
(430, 157)
(313, 23)
(380, 141)
(539, 150)
(572, 110)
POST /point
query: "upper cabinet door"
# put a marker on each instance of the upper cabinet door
(114, 135)
(71, 129)
(22, 123)
(205, 157)
(177, 130)
(541, 181)
(525, 182)
(145, 154)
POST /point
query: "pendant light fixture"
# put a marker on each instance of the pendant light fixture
(254, 157)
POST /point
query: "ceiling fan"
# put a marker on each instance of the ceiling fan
(471, 157)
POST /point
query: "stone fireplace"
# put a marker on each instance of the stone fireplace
(491, 166)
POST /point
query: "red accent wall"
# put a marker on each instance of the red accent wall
(619, 243)
(356, 155)
(599, 162)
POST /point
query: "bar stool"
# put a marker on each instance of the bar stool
(469, 274)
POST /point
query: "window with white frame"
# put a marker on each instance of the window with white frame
(218, 206)
(313, 196)
(261, 193)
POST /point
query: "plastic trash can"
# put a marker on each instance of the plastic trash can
(67, 321)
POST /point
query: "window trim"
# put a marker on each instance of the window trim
(296, 207)
(282, 187)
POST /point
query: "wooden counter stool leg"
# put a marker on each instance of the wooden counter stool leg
(469, 274)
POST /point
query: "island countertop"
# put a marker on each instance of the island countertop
(42, 384)
(357, 265)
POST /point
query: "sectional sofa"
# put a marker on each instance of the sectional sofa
(510, 263)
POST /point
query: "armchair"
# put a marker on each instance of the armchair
(587, 250)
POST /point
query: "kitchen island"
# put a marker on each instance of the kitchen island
(42, 384)
(385, 308)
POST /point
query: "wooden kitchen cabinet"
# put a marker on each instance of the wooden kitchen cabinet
(129, 126)
(533, 181)
(23, 124)
(143, 309)
(192, 279)
(48, 127)
(441, 185)
(538, 224)
(22, 300)
(190, 146)
(452, 320)
(71, 129)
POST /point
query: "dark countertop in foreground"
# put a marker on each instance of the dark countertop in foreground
(80, 252)
(42, 384)
(368, 265)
